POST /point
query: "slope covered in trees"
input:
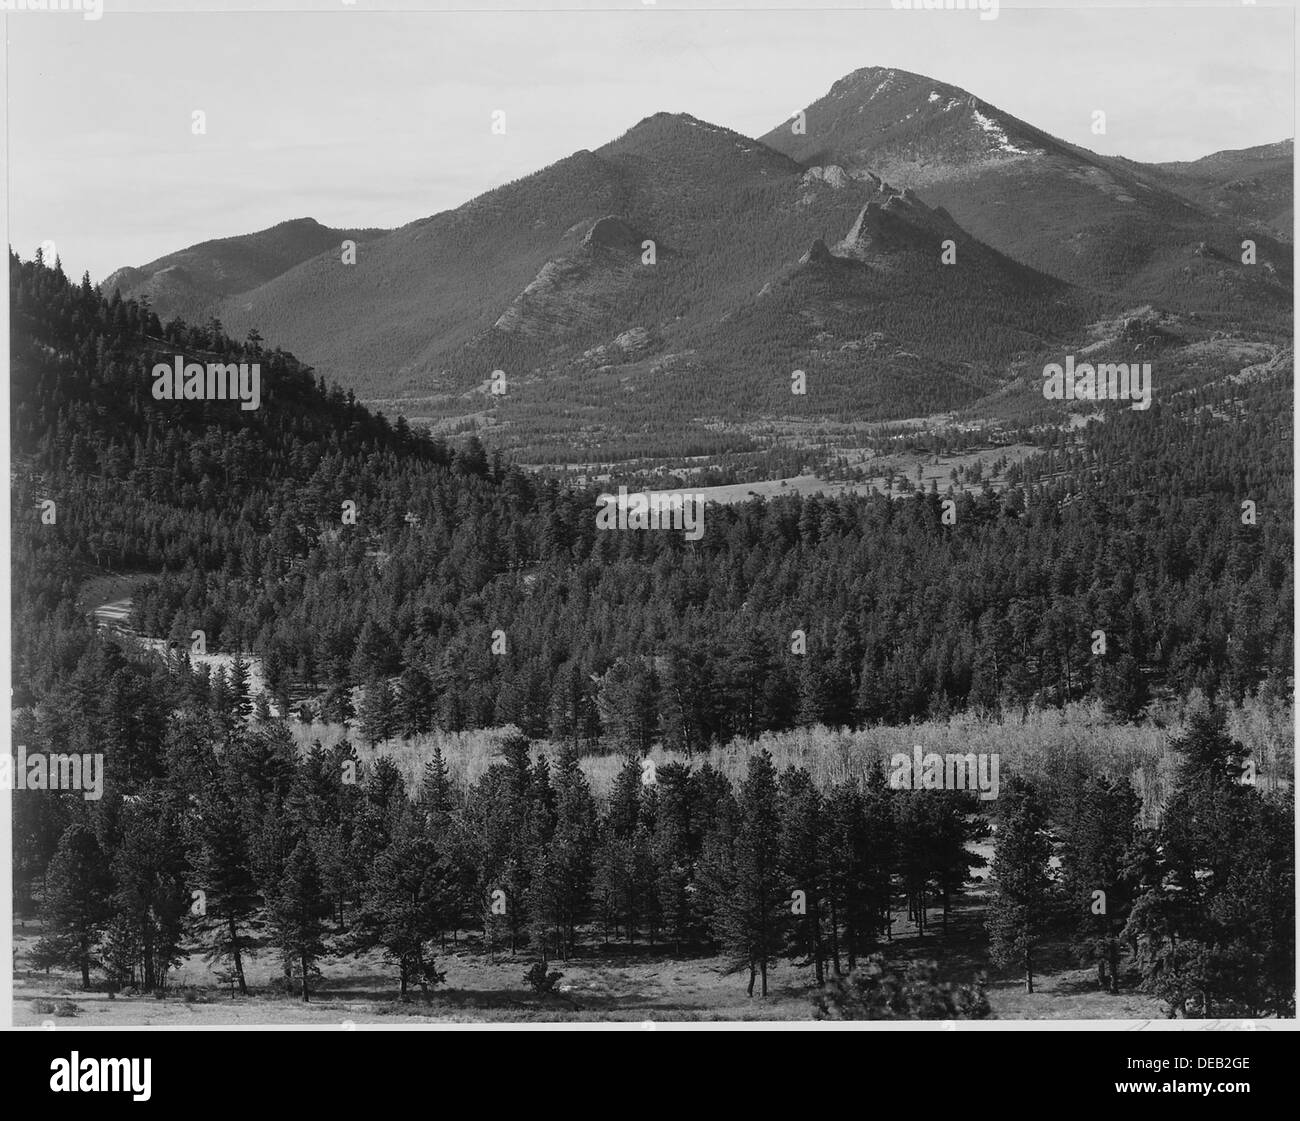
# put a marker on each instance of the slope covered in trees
(1168, 530)
(464, 593)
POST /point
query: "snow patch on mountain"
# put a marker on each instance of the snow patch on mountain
(989, 125)
(885, 83)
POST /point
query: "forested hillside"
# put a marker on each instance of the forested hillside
(467, 594)
(1134, 526)
(192, 281)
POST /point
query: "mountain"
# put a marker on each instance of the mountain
(877, 316)
(659, 291)
(190, 282)
(477, 277)
(1252, 186)
(1097, 221)
(547, 280)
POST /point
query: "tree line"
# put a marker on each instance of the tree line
(230, 839)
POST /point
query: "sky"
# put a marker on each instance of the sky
(363, 117)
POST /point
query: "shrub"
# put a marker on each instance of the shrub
(875, 991)
(540, 981)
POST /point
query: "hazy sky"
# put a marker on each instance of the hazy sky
(361, 117)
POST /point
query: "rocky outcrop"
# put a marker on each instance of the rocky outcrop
(613, 233)
(832, 175)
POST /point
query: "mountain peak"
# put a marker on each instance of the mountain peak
(696, 147)
(908, 128)
(189, 281)
(882, 78)
(1043, 202)
(678, 126)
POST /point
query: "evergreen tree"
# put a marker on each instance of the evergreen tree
(629, 705)
(1101, 835)
(751, 909)
(223, 873)
(297, 912)
(150, 898)
(803, 860)
(560, 885)
(1214, 929)
(407, 906)
(1123, 690)
(76, 907)
(1019, 913)
(415, 703)
(435, 790)
(378, 715)
(240, 677)
(574, 717)
(849, 900)
(676, 846)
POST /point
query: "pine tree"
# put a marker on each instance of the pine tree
(803, 860)
(675, 850)
(752, 909)
(1216, 932)
(815, 699)
(624, 805)
(435, 790)
(336, 704)
(691, 699)
(323, 807)
(1019, 914)
(298, 909)
(501, 817)
(749, 672)
(860, 833)
(262, 708)
(76, 907)
(378, 718)
(560, 888)
(375, 654)
(1123, 690)
(240, 688)
(150, 899)
(415, 703)
(573, 717)
(223, 872)
(407, 906)
(628, 701)
(1101, 835)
